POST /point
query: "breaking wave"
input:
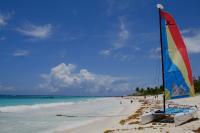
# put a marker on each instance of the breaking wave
(19, 108)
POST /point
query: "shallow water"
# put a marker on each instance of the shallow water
(38, 115)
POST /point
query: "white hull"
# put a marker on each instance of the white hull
(179, 118)
(147, 118)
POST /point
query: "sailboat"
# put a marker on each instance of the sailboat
(176, 73)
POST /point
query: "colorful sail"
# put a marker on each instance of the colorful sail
(177, 70)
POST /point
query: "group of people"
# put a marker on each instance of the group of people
(130, 101)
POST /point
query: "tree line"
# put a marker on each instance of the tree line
(148, 91)
(159, 90)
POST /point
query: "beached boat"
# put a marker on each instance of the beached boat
(179, 115)
(176, 74)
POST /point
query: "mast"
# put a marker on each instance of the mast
(160, 7)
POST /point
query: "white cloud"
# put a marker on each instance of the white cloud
(35, 31)
(2, 38)
(186, 31)
(123, 57)
(115, 6)
(105, 52)
(118, 43)
(18, 53)
(193, 41)
(5, 87)
(64, 76)
(155, 53)
(122, 35)
(3, 19)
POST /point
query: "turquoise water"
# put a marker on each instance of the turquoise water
(30, 100)
(38, 114)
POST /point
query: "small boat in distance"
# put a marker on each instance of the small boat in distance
(176, 73)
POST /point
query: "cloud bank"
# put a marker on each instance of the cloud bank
(64, 76)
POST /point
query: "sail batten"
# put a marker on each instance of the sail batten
(177, 70)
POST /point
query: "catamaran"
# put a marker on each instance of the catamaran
(176, 73)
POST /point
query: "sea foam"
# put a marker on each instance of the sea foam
(19, 108)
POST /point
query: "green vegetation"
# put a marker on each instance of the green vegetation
(148, 91)
(159, 90)
(197, 85)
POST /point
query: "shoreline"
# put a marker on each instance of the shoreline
(104, 124)
(52, 117)
(130, 123)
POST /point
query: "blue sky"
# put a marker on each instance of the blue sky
(91, 47)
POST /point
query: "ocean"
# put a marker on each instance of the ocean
(40, 114)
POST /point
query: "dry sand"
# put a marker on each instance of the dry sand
(131, 123)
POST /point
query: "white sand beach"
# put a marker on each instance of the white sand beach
(128, 121)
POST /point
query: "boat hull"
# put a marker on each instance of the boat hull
(147, 118)
(179, 118)
(182, 118)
